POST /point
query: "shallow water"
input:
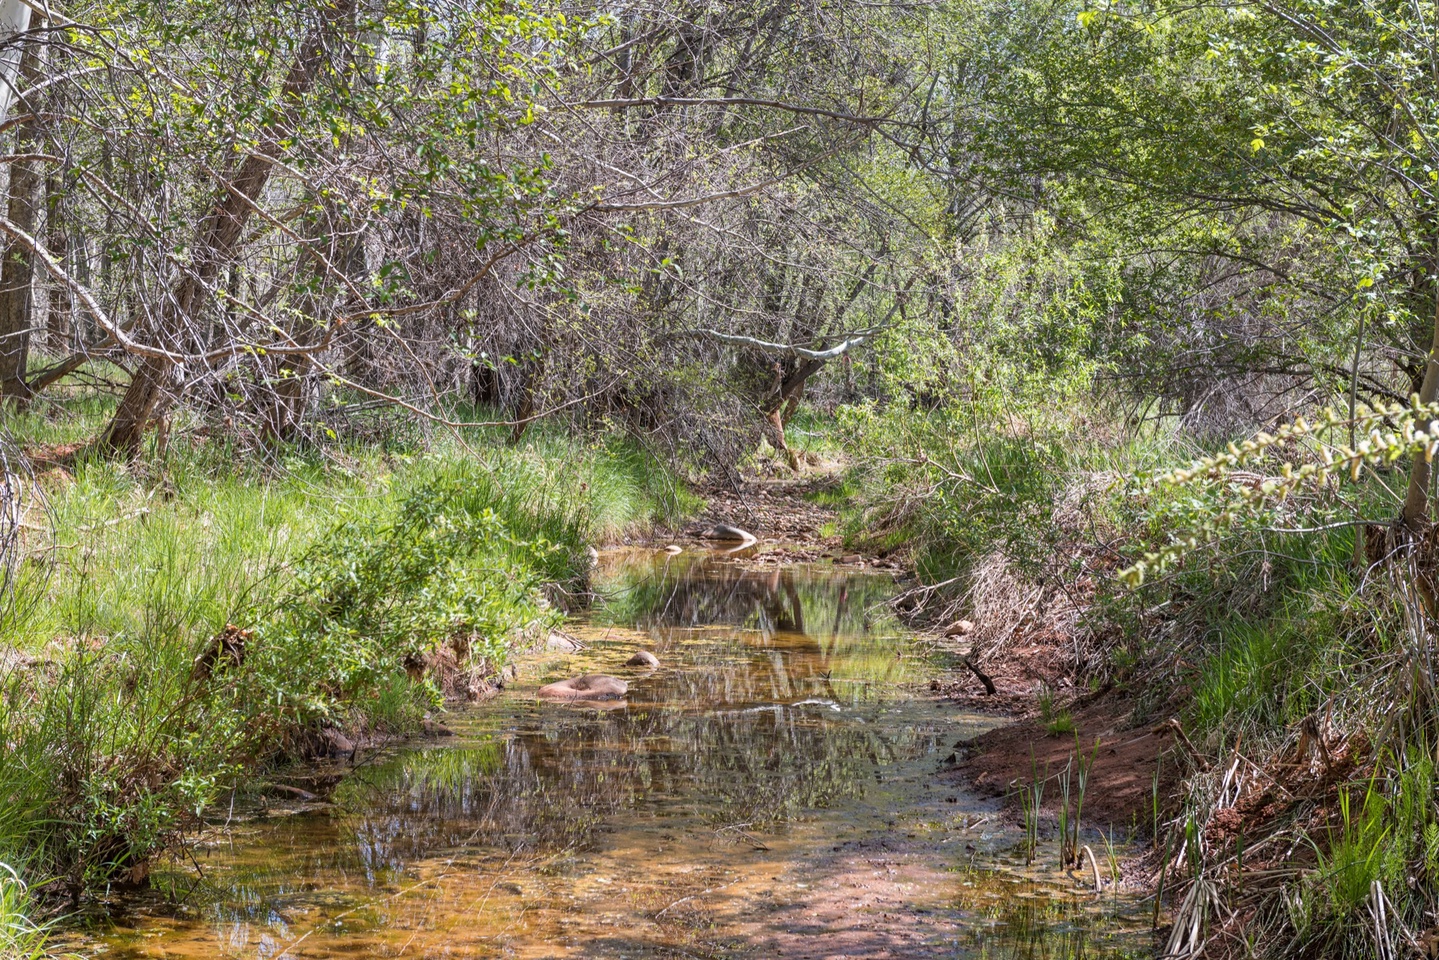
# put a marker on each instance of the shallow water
(769, 791)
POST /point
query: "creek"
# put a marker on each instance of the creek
(772, 789)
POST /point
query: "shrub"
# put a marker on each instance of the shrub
(375, 598)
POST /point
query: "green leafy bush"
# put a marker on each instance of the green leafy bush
(376, 597)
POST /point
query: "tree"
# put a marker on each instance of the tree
(1319, 117)
(14, 25)
(17, 267)
(217, 237)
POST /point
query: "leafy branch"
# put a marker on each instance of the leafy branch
(1229, 496)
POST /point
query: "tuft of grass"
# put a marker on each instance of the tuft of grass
(1031, 801)
(1259, 676)
(21, 938)
(1061, 724)
(1057, 720)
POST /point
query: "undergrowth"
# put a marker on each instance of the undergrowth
(1297, 662)
(181, 622)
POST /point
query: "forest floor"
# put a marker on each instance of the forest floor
(785, 516)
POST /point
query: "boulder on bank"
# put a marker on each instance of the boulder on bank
(724, 533)
(960, 628)
(594, 686)
(335, 744)
(643, 658)
(433, 728)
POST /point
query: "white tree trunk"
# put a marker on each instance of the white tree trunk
(14, 21)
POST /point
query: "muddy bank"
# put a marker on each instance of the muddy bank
(1128, 764)
(1047, 727)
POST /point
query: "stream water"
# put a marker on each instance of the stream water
(771, 790)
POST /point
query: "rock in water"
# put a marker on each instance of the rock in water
(643, 658)
(337, 744)
(728, 534)
(959, 628)
(673, 549)
(594, 686)
(435, 729)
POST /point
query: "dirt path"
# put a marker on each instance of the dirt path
(785, 511)
(787, 516)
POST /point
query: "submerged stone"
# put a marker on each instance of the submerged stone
(562, 643)
(643, 658)
(593, 686)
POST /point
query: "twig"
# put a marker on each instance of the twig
(1093, 865)
(983, 677)
(694, 896)
(143, 511)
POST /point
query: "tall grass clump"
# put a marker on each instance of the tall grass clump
(185, 621)
(21, 938)
(954, 484)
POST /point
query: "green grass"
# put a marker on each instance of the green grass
(951, 485)
(342, 564)
(1061, 724)
(20, 937)
(811, 432)
(1259, 677)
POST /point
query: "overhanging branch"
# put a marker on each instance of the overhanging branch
(793, 350)
(789, 349)
(802, 109)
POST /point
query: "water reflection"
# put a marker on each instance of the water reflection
(746, 723)
(772, 729)
(662, 593)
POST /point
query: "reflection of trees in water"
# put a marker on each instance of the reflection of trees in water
(659, 593)
(718, 736)
(721, 733)
(721, 730)
(565, 773)
(808, 620)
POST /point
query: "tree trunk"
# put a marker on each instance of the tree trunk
(1416, 500)
(289, 397)
(17, 268)
(534, 372)
(59, 304)
(14, 20)
(785, 399)
(149, 385)
(155, 379)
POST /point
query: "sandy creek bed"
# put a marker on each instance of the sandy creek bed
(768, 791)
